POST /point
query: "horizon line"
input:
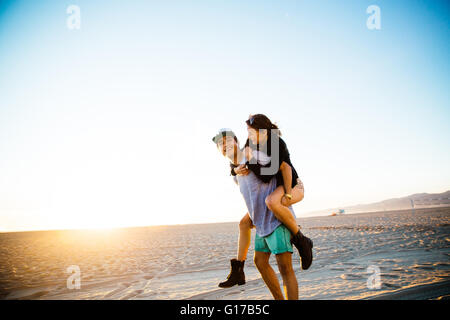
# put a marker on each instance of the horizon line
(204, 223)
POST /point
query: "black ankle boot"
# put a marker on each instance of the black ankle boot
(236, 275)
(304, 246)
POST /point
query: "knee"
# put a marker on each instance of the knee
(285, 268)
(271, 202)
(259, 261)
(245, 223)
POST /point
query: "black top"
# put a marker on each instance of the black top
(283, 155)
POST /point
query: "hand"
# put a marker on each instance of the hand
(285, 201)
(241, 170)
(248, 153)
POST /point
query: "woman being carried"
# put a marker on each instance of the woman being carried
(269, 156)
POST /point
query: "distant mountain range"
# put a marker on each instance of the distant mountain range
(418, 200)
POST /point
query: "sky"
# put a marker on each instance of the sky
(110, 125)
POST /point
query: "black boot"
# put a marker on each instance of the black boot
(304, 246)
(236, 275)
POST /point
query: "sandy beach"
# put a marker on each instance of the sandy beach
(411, 251)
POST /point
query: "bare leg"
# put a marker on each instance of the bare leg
(281, 212)
(268, 274)
(245, 233)
(290, 284)
(237, 275)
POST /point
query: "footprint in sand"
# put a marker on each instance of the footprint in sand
(122, 287)
(132, 294)
(399, 269)
(337, 269)
(442, 264)
(390, 285)
(390, 275)
(350, 276)
(231, 293)
(35, 295)
(424, 267)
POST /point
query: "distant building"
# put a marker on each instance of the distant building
(340, 212)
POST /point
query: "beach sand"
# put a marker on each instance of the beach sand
(411, 251)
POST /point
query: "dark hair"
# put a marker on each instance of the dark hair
(260, 121)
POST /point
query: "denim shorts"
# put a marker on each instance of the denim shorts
(279, 241)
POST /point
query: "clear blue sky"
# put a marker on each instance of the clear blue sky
(111, 125)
